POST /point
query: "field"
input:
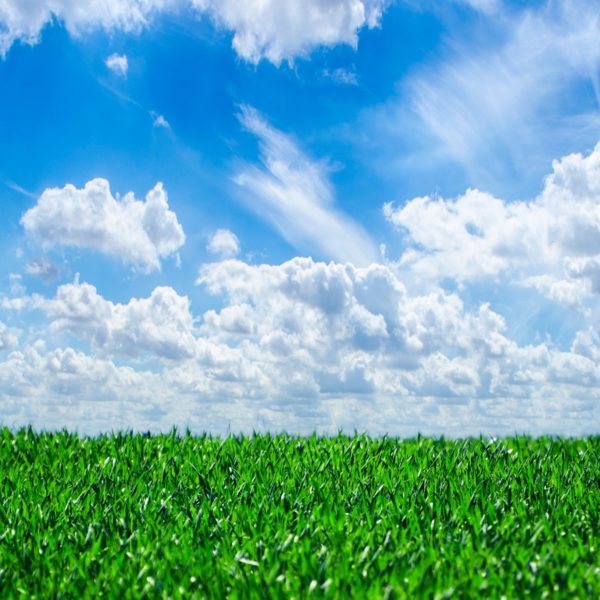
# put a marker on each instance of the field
(278, 516)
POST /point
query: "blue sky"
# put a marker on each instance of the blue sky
(352, 214)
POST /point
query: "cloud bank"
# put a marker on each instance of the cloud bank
(298, 346)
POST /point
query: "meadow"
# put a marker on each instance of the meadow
(179, 516)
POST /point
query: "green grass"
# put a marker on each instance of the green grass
(182, 516)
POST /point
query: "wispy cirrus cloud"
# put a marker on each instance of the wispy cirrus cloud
(497, 99)
(485, 6)
(293, 193)
(506, 96)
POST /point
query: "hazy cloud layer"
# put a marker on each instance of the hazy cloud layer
(8, 338)
(43, 268)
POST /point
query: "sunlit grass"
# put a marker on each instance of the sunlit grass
(178, 516)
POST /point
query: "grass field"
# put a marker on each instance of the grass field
(182, 516)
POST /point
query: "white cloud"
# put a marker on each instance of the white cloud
(324, 333)
(159, 121)
(338, 319)
(281, 30)
(160, 325)
(8, 338)
(551, 243)
(323, 313)
(300, 346)
(118, 64)
(140, 233)
(67, 388)
(224, 243)
(24, 20)
(276, 30)
(43, 268)
(293, 193)
(16, 284)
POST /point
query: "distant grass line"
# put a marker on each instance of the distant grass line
(277, 516)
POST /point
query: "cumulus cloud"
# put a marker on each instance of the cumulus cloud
(320, 312)
(224, 243)
(68, 388)
(138, 232)
(24, 21)
(160, 325)
(328, 332)
(276, 29)
(332, 329)
(293, 193)
(551, 243)
(301, 346)
(118, 64)
(64, 387)
(280, 30)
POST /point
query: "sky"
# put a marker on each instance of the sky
(236, 216)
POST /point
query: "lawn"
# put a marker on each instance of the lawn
(279, 516)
